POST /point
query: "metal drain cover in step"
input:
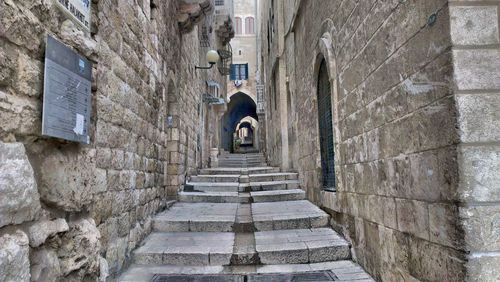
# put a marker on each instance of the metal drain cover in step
(313, 276)
(198, 278)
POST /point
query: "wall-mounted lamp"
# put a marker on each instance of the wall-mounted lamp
(212, 58)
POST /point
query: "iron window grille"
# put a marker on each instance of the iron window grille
(226, 60)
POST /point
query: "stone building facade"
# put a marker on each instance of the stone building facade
(414, 103)
(244, 49)
(74, 212)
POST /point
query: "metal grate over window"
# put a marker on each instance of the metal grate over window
(326, 128)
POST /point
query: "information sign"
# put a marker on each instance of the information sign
(66, 93)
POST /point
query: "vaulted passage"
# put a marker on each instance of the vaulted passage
(240, 106)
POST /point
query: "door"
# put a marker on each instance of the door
(326, 128)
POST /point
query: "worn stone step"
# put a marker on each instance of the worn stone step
(273, 185)
(278, 176)
(288, 215)
(345, 270)
(211, 197)
(186, 248)
(210, 217)
(239, 170)
(221, 171)
(213, 186)
(278, 195)
(300, 246)
(215, 178)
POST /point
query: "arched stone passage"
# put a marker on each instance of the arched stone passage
(240, 106)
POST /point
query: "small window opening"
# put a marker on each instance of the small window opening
(153, 10)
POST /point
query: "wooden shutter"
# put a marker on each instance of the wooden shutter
(233, 75)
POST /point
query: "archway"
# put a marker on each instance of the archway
(240, 106)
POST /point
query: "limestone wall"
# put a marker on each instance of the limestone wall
(476, 58)
(71, 211)
(402, 167)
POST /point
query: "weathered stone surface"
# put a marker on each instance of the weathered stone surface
(186, 248)
(479, 120)
(477, 69)
(45, 265)
(14, 257)
(75, 37)
(68, 180)
(481, 227)
(41, 230)
(479, 170)
(476, 25)
(483, 268)
(79, 249)
(413, 217)
(19, 199)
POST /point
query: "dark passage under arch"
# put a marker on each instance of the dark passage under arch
(241, 105)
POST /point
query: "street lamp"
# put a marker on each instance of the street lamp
(212, 59)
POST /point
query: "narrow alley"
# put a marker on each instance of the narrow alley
(243, 219)
(249, 140)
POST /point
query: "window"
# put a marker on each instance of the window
(326, 128)
(249, 25)
(239, 72)
(219, 2)
(237, 25)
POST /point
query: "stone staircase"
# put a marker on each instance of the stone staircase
(242, 160)
(243, 222)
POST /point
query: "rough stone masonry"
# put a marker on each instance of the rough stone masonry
(74, 212)
(414, 88)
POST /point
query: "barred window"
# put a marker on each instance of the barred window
(219, 2)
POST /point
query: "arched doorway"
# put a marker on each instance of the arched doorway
(240, 106)
(325, 127)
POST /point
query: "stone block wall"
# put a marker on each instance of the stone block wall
(413, 102)
(476, 57)
(75, 212)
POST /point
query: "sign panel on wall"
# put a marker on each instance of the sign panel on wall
(77, 10)
(66, 93)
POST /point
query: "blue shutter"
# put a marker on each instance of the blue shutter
(246, 73)
(232, 75)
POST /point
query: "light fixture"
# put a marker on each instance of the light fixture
(212, 59)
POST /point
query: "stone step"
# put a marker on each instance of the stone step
(288, 215)
(211, 197)
(262, 177)
(215, 178)
(278, 195)
(209, 217)
(300, 246)
(186, 248)
(273, 185)
(212, 186)
(239, 170)
(345, 270)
